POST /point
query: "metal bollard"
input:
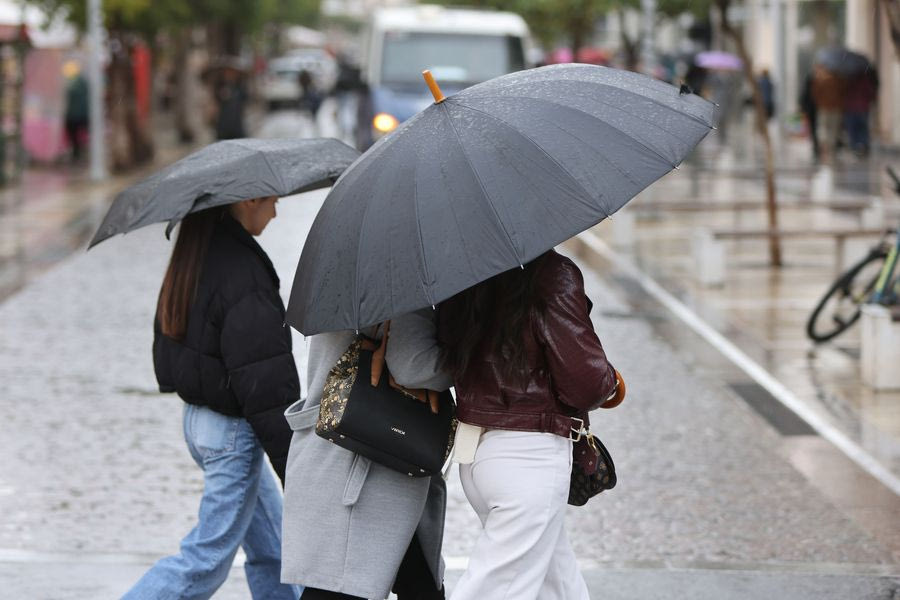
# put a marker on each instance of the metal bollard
(880, 350)
(822, 184)
(709, 255)
(623, 229)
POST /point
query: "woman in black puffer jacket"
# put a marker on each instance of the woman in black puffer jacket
(221, 344)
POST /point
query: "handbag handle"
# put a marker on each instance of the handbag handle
(379, 354)
(378, 360)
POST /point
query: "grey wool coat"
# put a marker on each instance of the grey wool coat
(347, 520)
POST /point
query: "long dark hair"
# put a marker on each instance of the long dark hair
(491, 317)
(179, 286)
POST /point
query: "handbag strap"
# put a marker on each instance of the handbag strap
(379, 354)
(378, 362)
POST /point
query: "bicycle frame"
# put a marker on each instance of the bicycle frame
(883, 285)
(887, 272)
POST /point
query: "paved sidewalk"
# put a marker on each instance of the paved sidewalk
(96, 482)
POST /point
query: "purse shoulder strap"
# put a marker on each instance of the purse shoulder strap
(379, 354)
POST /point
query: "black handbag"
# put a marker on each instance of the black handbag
(365, 411)
(593, 470)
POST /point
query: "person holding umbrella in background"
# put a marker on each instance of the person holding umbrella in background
(221, 345)
(862, 91)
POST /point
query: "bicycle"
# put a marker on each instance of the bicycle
(871, 280)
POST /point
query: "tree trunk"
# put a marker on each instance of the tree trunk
(131, 141)
(184, 80)
(580, 26)
(117, 90)
(629, 46)
(821, 23)
(762, 129)
(892, 8)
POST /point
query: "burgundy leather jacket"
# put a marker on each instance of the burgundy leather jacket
(569, 373)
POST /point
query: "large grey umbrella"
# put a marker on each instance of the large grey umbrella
(226, 172)
(485, 181)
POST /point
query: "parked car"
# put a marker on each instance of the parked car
(281, 86)
(460, 47)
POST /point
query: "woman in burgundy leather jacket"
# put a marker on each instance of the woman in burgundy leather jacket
(527, 367)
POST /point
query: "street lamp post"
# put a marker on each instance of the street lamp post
(96, 89)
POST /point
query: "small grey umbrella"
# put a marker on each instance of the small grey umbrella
(841, 60)
(484, 181)
(226, 172)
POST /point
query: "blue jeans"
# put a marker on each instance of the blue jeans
(857, 125)
(241, 506)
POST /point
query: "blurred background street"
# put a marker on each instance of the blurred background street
(753, 461)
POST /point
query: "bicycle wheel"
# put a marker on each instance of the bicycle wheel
(840, 307)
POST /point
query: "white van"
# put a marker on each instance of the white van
(461, 47)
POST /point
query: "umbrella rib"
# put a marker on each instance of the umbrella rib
(419, 232)
(543, 151)
(637, 141)
(462, 147)
(362, 226)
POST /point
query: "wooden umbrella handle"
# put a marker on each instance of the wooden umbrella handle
(433, 86)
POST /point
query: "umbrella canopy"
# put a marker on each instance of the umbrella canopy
(717, 59)
(226, 172)
(485, 181)
(841, 60)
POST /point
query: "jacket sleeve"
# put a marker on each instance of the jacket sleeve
(256, 349)
(581, 375)
(413, 356)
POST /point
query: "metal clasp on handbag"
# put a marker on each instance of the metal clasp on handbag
(575, 434)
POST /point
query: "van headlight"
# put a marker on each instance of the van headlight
(384, 122)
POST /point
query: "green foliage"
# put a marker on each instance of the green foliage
(148, 17)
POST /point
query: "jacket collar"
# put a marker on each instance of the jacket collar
(241, 235)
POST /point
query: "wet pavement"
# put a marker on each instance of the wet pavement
(764, 310)
(53, 210)
(714, 498)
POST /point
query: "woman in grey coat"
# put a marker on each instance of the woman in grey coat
(349, 523)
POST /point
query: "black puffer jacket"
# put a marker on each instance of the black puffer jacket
(236, 356)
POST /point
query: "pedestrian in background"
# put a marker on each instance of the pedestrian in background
(767, 90)
(828, 94)
(76, 112)
(221, 345)
(346, 89)
(231, 98)
(355, 529)
(310, 98)
(862, 91)
(808, 108)
(527, 367)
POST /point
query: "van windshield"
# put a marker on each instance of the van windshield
(452, 57)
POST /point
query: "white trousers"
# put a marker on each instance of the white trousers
(519, 484)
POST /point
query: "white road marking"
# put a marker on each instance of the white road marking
(854, 451)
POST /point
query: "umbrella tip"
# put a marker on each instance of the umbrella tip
(433, 86)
